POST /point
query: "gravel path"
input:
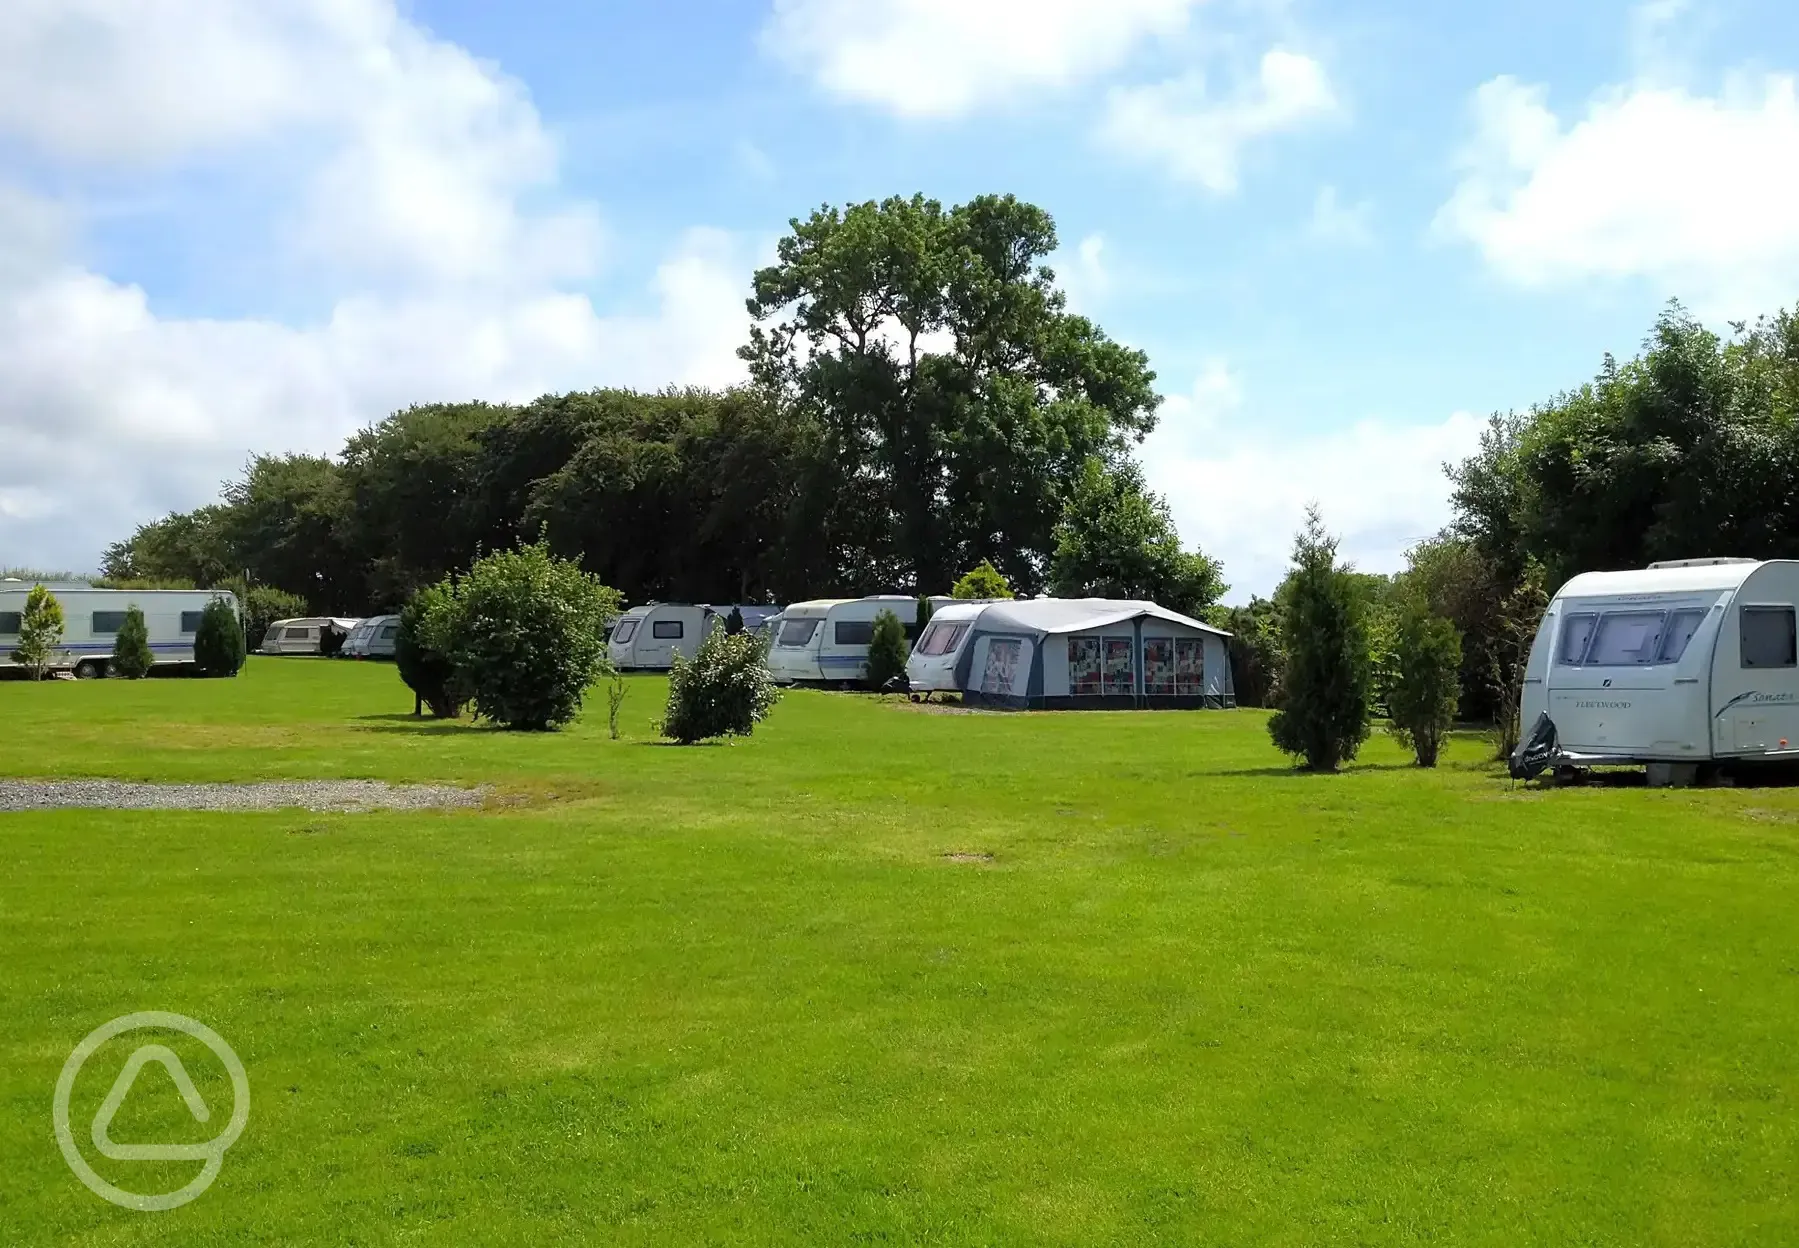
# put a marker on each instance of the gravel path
(339, 795)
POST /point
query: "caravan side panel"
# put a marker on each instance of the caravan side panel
(1755, 667)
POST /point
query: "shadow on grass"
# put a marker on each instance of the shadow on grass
(415, 724)
(1302, 773)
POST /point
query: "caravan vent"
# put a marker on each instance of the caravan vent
(1697, 563)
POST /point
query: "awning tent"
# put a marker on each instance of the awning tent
(1093, 654)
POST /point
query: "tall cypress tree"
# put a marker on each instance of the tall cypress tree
(1326, 670)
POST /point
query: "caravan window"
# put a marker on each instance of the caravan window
(625, 630)
(1626, 637)
(108, 622)
(1768, 637)
(796, 632)
(855, 632)
(1681, 627)
(190, 621)
(389, 631)
(942, 638)
(667, 630)
(299, 634)
(10, 623)
(1577, 630)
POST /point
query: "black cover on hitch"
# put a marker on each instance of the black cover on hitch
(1536, 751)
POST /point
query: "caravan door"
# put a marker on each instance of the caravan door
(1755, 676)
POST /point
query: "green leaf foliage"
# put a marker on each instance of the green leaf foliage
(982, 581)
(131, 654)
(954, 396)
(1425, 683)
(1325, 675)
(1116, 539)
(1255, 650)
(219, 643)
(526, 634)
(724, 690)
(887, 651)
(427, 671)
(40, 632)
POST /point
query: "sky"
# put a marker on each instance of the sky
(1343, 234)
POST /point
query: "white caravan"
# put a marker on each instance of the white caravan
(1687, 662)
(932, 667)
(92, 617)
(302, 636)
(825, 641)
(373, 638)
(649, 637)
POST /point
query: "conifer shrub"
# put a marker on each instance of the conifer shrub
(132, 657)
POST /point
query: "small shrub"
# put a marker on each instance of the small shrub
(734, 622)
(616, 689)
(887, 651)
(131, 654)
(219, 643)
(984, 581)
(40, 632)
(1426, 683)
(1324, 681)
(724, 690)
(428, 672)
(923, 619)
(527, 636)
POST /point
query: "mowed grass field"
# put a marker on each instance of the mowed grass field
(883, 976)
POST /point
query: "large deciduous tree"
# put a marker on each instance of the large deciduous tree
(956, 399)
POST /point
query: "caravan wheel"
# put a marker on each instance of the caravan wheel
(90, 669)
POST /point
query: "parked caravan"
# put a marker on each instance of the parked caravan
(373, 638)
(304, 636)
(92, 618)
(1685, 662)
(1073, 654)
(825, 641)
(649, 637)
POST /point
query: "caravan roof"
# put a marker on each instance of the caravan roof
(1680, 578)
(1073, 615)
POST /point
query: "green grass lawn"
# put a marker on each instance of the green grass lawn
(743, 993)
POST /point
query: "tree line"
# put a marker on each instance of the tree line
(920, 399)
(1688, 450)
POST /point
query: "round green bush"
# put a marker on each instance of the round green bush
(724, 690)
(526, 633)
(429, 673)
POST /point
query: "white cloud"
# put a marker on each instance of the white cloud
(1335, 222)
(1083, 273)
(1193, 416)
(1199, 137)
(946, 58)
(427, 150)
(1691, 192)
(429, 218)
(1239, 488)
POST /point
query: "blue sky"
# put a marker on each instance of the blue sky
(1342, 233)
